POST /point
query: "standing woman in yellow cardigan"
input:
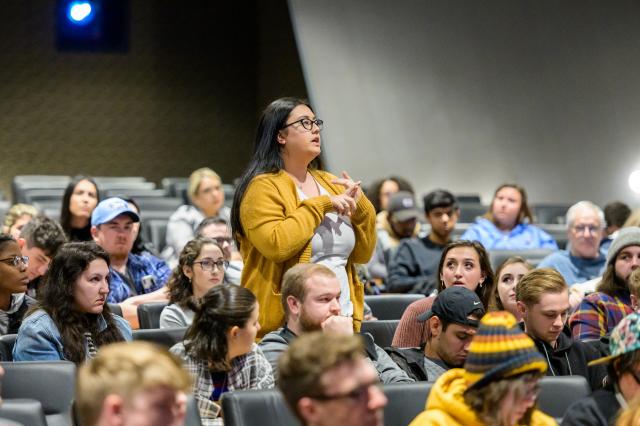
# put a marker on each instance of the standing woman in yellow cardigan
(286, 210)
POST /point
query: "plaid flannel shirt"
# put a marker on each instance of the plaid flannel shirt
(250, 371)
(598, 314)
(138, 266)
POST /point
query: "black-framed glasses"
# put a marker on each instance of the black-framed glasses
(17, 260)
(209, 264)
(307, 123)
(360, 394)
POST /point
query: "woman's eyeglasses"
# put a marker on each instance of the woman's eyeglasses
(17, 260)
(209, 264)
(307, 123)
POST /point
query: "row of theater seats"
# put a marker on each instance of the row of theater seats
(405, 402)
(41, 393)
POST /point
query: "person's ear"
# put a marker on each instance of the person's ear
(308, 410)
(435, 326)
(188, 271)
(112, 411)
(94, 233)
(281, 137)
(294, 305)
(233, 332)
(522, 308)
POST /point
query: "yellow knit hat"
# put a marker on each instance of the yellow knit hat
(500, 349)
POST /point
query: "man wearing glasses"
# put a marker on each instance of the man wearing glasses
(582, 261)
(326, 380)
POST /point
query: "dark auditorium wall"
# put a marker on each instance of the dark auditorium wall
(185, 95)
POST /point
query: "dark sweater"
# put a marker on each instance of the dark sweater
(599, 409)
(413, 268)
(570, 357)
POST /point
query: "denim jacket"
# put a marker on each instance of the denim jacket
(39, 338)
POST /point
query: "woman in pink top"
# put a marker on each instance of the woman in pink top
(463, 263)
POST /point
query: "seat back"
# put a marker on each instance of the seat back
(405, 402)
(6, 346)
(390, 306)
(115, 309)
(23, 411)
(381, 330)
(157, 232)
(242, 408)
(193, 415)
(149, 314)
(533, 256)
(166, 337)
(50, 382)
(559, 392)
(550, 213)
(470, 211)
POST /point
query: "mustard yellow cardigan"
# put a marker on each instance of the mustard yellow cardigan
(278, 229)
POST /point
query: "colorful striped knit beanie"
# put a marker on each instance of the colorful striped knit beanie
(500, 349)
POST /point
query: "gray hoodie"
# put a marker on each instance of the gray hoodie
(275, 343)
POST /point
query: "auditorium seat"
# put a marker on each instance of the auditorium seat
(166, 337)
(558, 393)
(155, 231)
(115, 309)
(533, 256)
(24, 411)
(149, 314)
(7, 342)
(135, 193)
(550, 213)
(50, 382)
(242, 408)
(405, 402)
(390, 306)
(469, 212)
(381, 330)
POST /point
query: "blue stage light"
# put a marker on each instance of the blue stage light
(80, 12)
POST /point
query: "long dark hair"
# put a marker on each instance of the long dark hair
(179, 285)
(57, 300)
(65, 213)
(373, 193)
(221, 308)
(611, 283)
(486, 287)
(266, 154)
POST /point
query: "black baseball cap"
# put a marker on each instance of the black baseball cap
(455, 304)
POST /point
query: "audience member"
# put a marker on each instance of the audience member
(464, 263)
(498, 385)
(633, 219)
(219, 350)
(615, 215)
(413, 266)
(79, 200)
(543, 301)
(218, 229)
(200, 268)
(622, 384)
(112, 227)
(326, 380)
(72, 319)
(381, 190)
(310, 298)
(131, 384)
(17, 217)
(207, 199)
(13, 285)
(508, 225)
(40, 240)
(287, 211)
(401, 221)
(452, 322)
(582, 261)
(140, 245)
(600, 312)
(503, 296)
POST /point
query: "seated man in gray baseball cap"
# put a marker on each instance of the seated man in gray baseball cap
(452, 321)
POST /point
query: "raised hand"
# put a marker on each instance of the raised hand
(354, 189)
(343, 204)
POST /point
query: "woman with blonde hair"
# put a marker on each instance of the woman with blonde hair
(503, 293)
(207, 200)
